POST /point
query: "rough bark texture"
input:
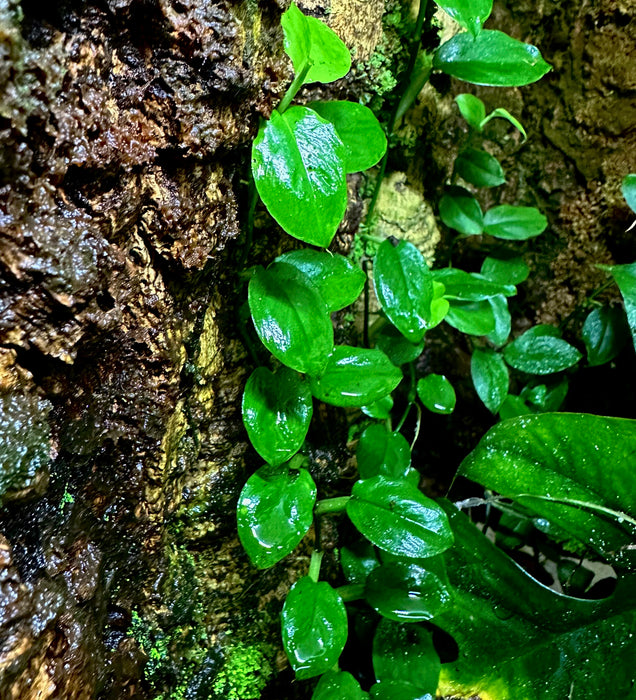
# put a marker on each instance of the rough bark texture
(125, 128)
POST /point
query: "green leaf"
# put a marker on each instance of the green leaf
(358, 561)
(491, 58)
(459, 210)
(470, 14)
(274, 513)
(470, 286)
(503, 114)
(505, 270)
(471, 317)
(276, 411)
(404, 287)
(383, 452)
(355, 377)
(402, 590)
(338, 685)
(625, 278)
(472, 109)
(604, 334)
(291, 318)
(359, 130)
(308, 39)
(628, 188)
(396, 347)
(519, 639)
(548, 396)
(337, 280)
(503, 321)
(540, 354)
(437, 393)
(479, 168)
(490, 377)
(514, 406)
(380, 409)
(314, 622)
(514, 223)
(298, 163)
(398, 518)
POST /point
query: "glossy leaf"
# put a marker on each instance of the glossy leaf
(398, 518)
(540, 354)
(514, 406)
(472, 109)
(309, 39)
(355, 377)
(277, 410)
(359, 130)
(471, 317)
(459, 210)
(628, 188)
(437, 393)
(381, 452)
(491, 58)
(298, 164)
(490, 377)
(625, 278)
(502, 113)
(291, 318)
(546, 396)
(503, 321)
(470, 14)
(314, 622)
(396, 347)
(404, 287)
(604, 334)
(358, 561)
(479, 168)
(274, 513)
(338, 685)
(470, 286)
(439, 305)
(514, 223)
(406, 591)
(337, 280)
(380, 409)
(505, 270)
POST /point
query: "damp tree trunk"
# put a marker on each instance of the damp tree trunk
(125, 133)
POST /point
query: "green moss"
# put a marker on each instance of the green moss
(245, 673)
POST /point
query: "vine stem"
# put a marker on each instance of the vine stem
(314, 565)
(295, 86)
(331, 505)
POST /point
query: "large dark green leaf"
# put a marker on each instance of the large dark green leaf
(491, 58)
(625, 277)
(514, 223)
(395, 516)
(540, 354)
(458, 209)
(471, 317)
(470, 286)
(404, 286)
(490, 377)
(274, 512)
(628, 188)
(276, 410)
(291, 318)
(479, 168)
(314, 622)
(604, 334)
(471, 14)
(355, 377)
(298, 163)
(338, 685)
(383, 452)
(337, 280)
(358, 129)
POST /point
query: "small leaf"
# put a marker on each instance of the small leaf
(358, 129)
(314, 622)
(471, 317)
(291, 318)
(479, 168)
(404, 287)
(491, 58)
(380, 409)
(503, 114)
(396, 347)
(546, 397)
(625, 278)
(274, 513)
(604, 334)
(298, 163)
(338, 685)
(358, 561)
(503, 321)
(337, 280)
(470, 286)
(540, 354)
(472, 109)
(437, 393)
(513, 407)
(514, 223)
(470, 14)
(458, 209)
(490, 377)
(505, 270)
(628, 189)
(355, 377)
(383, 452)
(276, 411)
(397, 517)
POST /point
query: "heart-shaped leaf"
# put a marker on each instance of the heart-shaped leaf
(490, 377)
(437, 393)
(514, 223)
(479, 168)
(458, 209)
(471, 14)
(540, 354)
(383, 452)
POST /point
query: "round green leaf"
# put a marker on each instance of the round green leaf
(358, 561)
(406, 591)
(472, 109)
(404, 287)
(398, 518)
(470, 286)
(628, 188)
(291, 318)
(337, 280)
(514, 223)
(338, 685)
(396, 347)
(491, 58)
(459, 210)
(541, 354)
(505, 270)
(314, 622)
(490, 377)
(383, 452)
(359, 130)
(604, 334)
(355, 377)
(470, 14)
(436, 393)
(274, 513)
(503, 321)
(298, 163)
(277, 411)
(479, 168)
(471, 317)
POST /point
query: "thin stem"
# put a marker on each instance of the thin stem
(294, 87)
(314, 565)
(411, 397)
(404, 415)
(351, 592)
(331, 505)
(365, 319)
(418, 425)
